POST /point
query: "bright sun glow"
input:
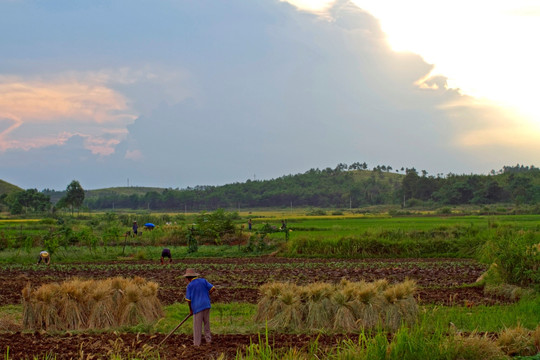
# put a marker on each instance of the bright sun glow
(485, 48)
(311, 5)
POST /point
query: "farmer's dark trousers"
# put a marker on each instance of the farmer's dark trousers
(200, 318)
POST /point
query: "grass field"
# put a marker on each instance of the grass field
(457, 319)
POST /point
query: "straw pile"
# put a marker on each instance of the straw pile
(347, 306)
(88, 304)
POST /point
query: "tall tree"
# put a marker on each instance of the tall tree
(74, 195)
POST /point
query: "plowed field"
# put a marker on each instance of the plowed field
(237, 279)
(441, 281)
(96, 346)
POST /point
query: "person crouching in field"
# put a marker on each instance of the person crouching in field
(45, 257)
(166, 253)
(198, 297)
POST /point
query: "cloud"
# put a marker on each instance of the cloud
(134, 155)
(48, 111)
(212, 93)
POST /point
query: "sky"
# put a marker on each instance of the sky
(183, 93)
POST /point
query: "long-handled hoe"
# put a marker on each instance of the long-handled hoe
(173, 330)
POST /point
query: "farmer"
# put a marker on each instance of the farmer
(198, 297)
(249, 224)
(166, 253)
(45, 257)
(135, 227)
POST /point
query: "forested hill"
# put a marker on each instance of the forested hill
(342, 187)
(6, 188)
(318, 188)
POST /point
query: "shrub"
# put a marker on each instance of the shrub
(175, 236)
(256, 243)
(193, 246)
(475, 347)
(9, 323)
(444, 211)
(507, 291)
(516, 257)
(536, 338)
(413, 203)
(316, 212)
(516, 341)
(140, 255)
(212, 226)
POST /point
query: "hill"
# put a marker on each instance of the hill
(342, 187)
(316, 188)
(6, 188)
(106, 192)
(127, 191)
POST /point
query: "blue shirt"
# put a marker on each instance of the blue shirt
(197, 293)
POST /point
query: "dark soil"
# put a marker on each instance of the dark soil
(105, 345)
(440, 281)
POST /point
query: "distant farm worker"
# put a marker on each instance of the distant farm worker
(249, 224)
(135, 227)
(166, 253)
(283, 225)
(45, 257)
(198, 297)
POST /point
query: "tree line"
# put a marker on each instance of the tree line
(33, 201)
(345, 186)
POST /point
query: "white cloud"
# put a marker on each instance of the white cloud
(484, 48)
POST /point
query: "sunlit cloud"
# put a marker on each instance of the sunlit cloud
(311, 5)
(493, 125)
(482, 49)
(60, 107)
(503, 136)
(40, 101)
(134, 155)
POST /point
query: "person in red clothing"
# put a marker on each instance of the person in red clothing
(198, 297)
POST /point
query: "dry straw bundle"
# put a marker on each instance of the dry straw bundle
(83, 304)
(318, 310)
(347, 306)
(400, 306)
